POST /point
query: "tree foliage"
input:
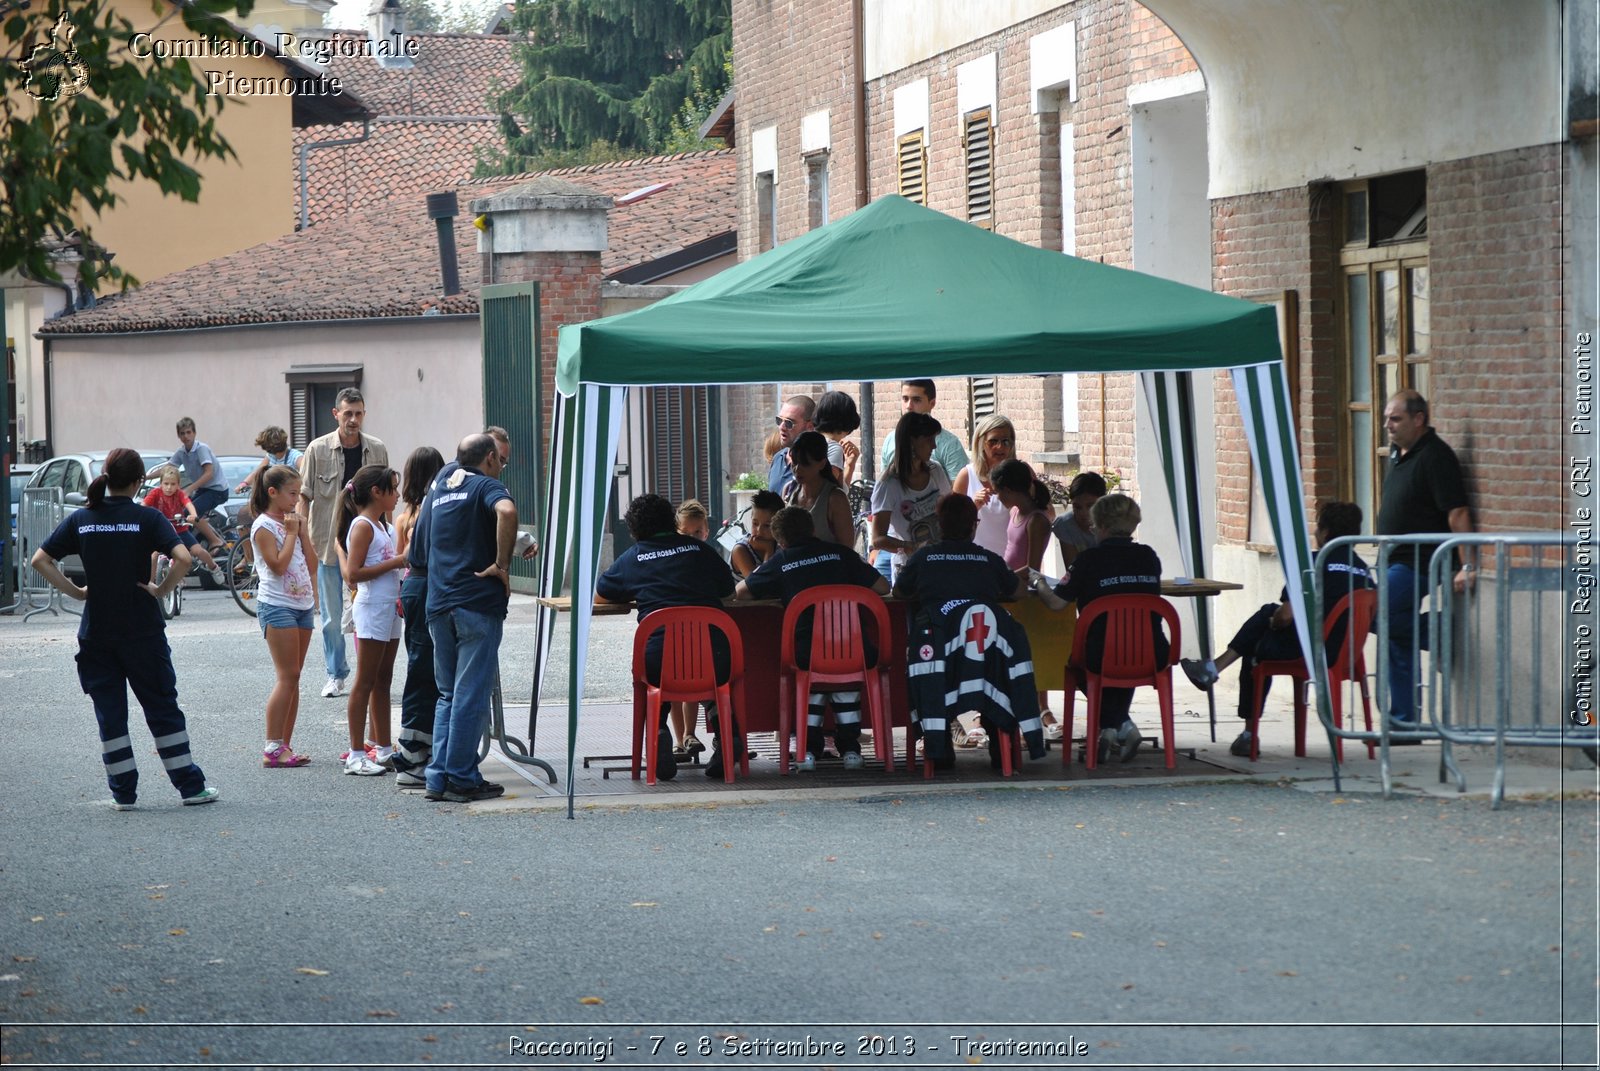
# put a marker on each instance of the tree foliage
(78, 110)
(625, 73)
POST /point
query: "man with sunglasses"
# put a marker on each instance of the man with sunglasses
(798, 414)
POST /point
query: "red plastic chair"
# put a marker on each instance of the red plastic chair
(838, 656)
(1360, 608)
(1010, 756)
(1129, 661)
(688, 672)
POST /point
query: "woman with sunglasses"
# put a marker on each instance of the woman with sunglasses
(993, 443)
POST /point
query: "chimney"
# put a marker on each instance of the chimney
(386, 28)
(442, 209)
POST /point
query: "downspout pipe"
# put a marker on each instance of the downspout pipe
(442, 209)
(305, 166)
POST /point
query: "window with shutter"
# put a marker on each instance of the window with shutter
(983, 391)
(312, 390)
(978, 142)
(913, 167)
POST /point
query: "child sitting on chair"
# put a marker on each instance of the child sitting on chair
(666, 568)
(1269, 634)
(804, 561)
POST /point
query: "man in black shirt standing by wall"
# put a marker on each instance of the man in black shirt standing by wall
(1424, 490)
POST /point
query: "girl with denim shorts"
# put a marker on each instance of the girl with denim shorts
(285, 602)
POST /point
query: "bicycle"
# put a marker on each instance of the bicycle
(172, 602)
(860, 494)
(241, 571)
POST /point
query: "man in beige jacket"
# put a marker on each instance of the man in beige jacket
(329, 463)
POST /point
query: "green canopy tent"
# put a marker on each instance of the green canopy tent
(899, 291)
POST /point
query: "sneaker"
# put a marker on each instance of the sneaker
(1201, 674)
(853, 760)
(484, 790)
(1105, 746)
(359, 764)
(205, 795)
(219, 576)
(334, 688)
(1128, 741)
(666, 764)
(807, 764)
(406, 780)
(1241, 745)
(123, 805)
(433, 795)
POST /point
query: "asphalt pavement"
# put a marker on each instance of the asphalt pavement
(311, 919)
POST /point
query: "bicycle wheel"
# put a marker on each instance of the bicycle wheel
(169, 601)
(242, 578)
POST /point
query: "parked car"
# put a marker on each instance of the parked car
(73, 473)
(19, 479)
(235, 467)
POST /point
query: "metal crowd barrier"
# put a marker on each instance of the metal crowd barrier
(1499, 673)
(41, 509)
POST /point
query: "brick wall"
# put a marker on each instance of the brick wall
(569, 293)
(1495, 244)
(794, 59)
(1495, 249)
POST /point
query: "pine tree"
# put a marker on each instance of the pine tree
(610, 76)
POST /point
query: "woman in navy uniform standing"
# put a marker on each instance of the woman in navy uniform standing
(122, 640)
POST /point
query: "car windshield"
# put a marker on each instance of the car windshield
(235, 469)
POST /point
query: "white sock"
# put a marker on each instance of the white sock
(384, 751)
(272, 745)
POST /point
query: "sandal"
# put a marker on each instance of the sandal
(1052, 727)
(691, 744)
(283, 758)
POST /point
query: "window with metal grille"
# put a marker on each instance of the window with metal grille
(913, 167)
(816, 190)
(312, 390)
(978, 142)
(766, 211)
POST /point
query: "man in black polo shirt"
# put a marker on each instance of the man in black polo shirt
(804, 561)
(664, 569)
(1424, 490)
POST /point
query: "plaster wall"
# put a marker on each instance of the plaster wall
(27, 309)
(423, 384)
(1172, 239)
(898, 33)
(1297, 89)
(244, 201)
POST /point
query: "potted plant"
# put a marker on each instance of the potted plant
(743, 489)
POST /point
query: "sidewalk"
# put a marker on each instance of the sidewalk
(604, 738)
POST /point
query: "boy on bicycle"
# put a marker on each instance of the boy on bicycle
(169, 500)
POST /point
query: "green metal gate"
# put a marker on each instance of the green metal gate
(513, 398)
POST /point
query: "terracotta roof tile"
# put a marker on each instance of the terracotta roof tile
(382, 261)
(432, 122)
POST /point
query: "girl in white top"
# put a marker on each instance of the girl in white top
(372, 565)
(994, 441)
(903, 502)
(285, 599)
